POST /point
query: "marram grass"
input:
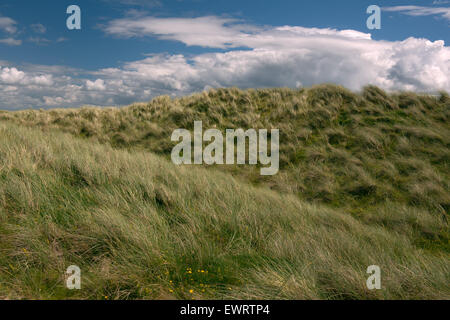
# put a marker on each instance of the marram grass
(364, 182)
(336, 147)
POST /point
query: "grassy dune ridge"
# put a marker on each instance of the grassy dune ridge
(364, 180)
(336, 146)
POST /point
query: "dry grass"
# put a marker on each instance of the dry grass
(364, 181)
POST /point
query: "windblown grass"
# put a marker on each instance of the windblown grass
(364, 180)
(139, 227)
(336, 147)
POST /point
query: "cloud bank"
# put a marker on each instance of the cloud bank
(247, 56)
(422, 11)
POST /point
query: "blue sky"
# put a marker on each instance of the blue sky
(133, 50)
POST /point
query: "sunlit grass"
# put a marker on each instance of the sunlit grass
(364, 180)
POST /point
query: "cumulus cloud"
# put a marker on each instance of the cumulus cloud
(421, 11)
(413, 64)
(8, 25)
(18, 77)
(11, 75)
(97, 85)
(286, 56)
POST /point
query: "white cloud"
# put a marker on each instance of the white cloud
(414, 64)
(39, 40)
(43, 80)
(216, 32)
(285, 56)
(97, 85)
(39, 28)
(421, 11)
(11, 42)
(18, 77)
(203, 31)
(11, 75)
(8, 25)
(273, 57)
